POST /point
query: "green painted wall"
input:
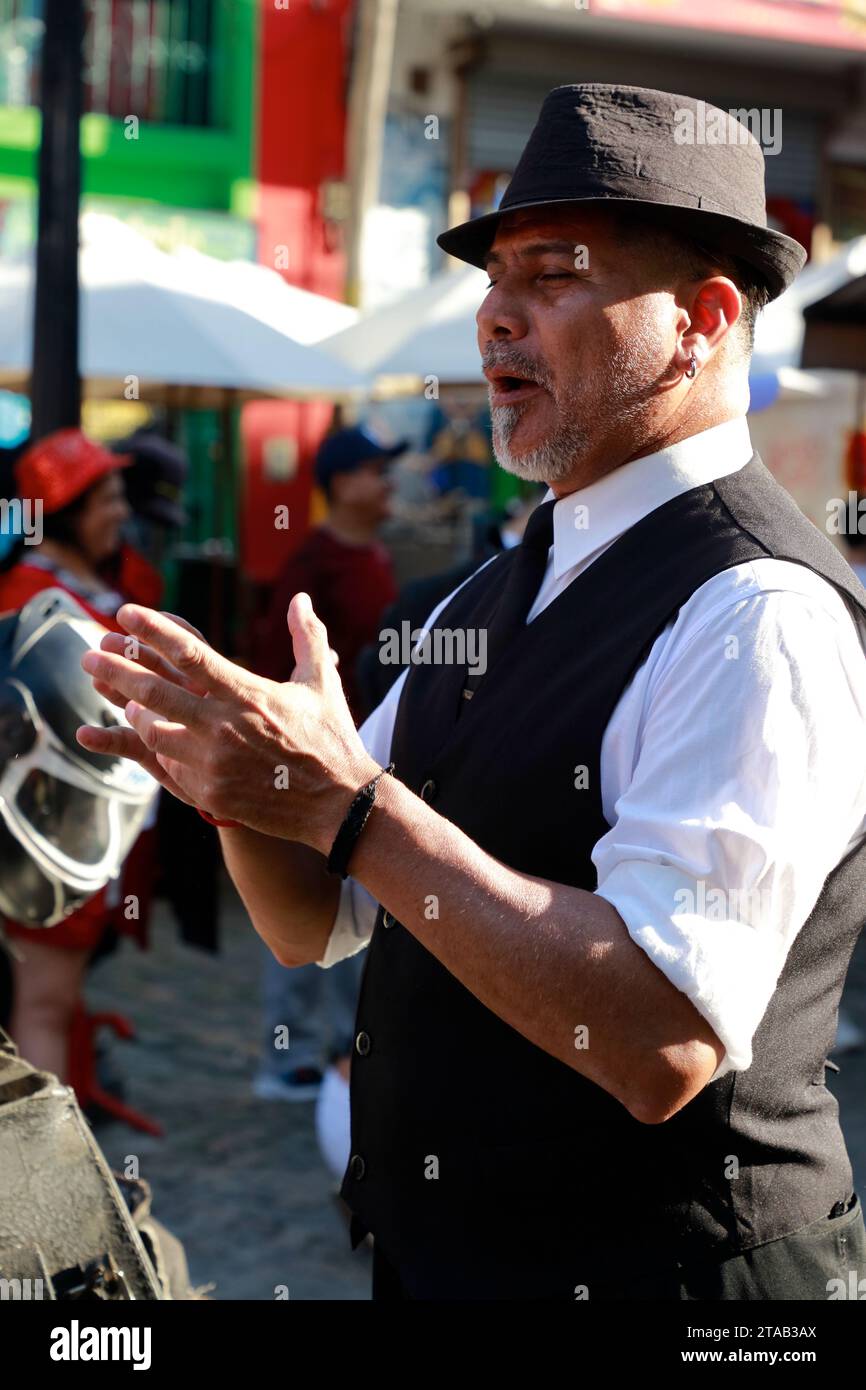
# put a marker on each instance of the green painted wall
(184, 166)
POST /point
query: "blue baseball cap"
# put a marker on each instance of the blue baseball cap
(348, 449)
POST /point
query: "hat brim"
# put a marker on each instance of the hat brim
(397, 449)
(777, 257)
(387, 451)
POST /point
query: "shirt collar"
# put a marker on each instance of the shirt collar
(592, 517)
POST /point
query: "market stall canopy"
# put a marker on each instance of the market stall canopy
(174, 329)
(835, 336)
(429, 332)
(258, 290)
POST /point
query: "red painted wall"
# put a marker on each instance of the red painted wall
(302, 134)
(301, 137)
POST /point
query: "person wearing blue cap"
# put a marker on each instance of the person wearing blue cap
(347, 573)
(341, 565)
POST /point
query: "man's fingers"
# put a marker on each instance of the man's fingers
(161, 736)
(133, 650)
(172, 775)
(117, 742)
(146, 688)
(190, 655)
(108, 692)
(120, 742)
(176, 618)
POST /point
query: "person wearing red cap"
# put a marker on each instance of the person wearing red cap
(75, 492)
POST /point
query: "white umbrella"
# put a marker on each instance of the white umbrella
(258, 290)
(428, 332)
(145, 316)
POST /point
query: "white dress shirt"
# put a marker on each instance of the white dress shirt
(733, 771)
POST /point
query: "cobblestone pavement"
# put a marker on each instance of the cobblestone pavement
(240, 1180)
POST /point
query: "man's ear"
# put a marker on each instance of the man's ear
(714, 306)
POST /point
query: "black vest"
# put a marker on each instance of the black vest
(485, 1167)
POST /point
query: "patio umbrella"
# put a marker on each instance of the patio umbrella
(258, 290)
(146, 316)
(428, 332)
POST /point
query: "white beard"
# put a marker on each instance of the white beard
(548, 462)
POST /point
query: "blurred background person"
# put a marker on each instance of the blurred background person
(460, 449)
(181, 860)
(418, 598)
(348, 574)
(154, 482)
(341, 563)
(79, 485)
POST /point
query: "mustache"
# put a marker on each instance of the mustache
(517, 363)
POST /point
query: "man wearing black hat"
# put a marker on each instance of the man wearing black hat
(612, 881)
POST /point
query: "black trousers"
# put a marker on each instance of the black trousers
(823, 1261)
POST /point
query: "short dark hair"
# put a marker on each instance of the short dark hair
(62, 525)
(700, 259)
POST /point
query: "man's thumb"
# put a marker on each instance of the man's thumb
(309, 640)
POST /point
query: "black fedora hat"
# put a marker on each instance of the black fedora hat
(677, 161)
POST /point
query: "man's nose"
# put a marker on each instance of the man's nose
(500, 316)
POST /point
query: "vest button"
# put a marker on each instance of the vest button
(363, 1043)
(357, 1167)
(388, 920)
(429, 790)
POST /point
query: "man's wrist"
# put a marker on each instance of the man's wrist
(361, 772)
(220, 824)
(353, 823)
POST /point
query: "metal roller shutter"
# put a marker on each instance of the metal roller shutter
(502, 109)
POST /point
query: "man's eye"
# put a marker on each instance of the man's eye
(556, 275)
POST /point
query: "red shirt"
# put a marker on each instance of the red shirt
(350, 586)
(23, 582)
(82, 929)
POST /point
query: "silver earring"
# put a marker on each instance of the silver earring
(692, 368)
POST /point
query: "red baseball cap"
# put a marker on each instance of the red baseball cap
(61, 466)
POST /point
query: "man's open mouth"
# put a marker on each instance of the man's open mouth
(508, 389)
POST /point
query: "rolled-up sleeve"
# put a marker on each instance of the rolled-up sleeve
(748, 784)
(356, 909)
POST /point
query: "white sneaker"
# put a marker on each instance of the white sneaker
(332, 1122)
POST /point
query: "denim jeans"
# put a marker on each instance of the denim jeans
(313, 1009)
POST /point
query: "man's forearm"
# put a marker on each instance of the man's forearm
(287, 891)
(547, 958)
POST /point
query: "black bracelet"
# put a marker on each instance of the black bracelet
(353, 823)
